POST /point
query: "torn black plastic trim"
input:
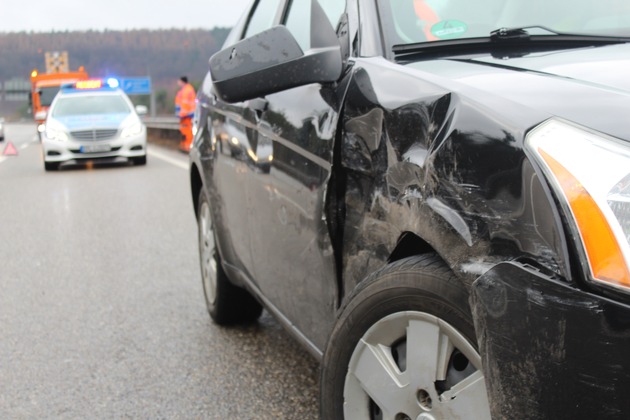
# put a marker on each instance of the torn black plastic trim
(549, 349)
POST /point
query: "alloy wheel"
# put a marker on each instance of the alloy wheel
(206, 253)
(413, 365)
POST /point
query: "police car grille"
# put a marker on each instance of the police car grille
(94, 134)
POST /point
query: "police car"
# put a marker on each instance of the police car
(93, 120)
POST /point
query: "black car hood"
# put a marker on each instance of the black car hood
(589, 86)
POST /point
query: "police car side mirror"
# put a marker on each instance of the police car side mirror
(142, 110)
(272, 61)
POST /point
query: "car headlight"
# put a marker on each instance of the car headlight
(56, 133)
(132, 130)
(590, 173)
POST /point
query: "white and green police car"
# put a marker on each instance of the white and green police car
(93, 120)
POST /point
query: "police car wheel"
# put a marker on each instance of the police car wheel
(51, 166)
(142, 160)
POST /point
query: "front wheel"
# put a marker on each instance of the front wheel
(226, 303)
(138, 161)
(51, 166)
(404, 348)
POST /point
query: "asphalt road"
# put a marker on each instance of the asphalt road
(101, 304)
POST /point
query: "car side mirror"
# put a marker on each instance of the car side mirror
(142, 110)
(272, 61)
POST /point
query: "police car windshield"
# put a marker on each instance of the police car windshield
(90, 105)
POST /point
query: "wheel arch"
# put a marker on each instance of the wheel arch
(409, 244)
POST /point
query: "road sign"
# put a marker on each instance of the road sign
(136, 85)
(56, 61)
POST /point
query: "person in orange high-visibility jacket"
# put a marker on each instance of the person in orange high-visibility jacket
(185, 109)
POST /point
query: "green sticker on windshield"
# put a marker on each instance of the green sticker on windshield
(448, 29)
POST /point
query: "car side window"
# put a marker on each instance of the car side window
(263, 17)
(298, 19)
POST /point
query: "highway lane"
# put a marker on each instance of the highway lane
(101, 305)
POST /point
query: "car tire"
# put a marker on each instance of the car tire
(418, 303)
(227, 304)
(142, 160)
(51, 166)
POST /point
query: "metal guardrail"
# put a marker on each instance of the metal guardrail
(162, 123)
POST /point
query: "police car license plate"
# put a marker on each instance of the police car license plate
(96, 148)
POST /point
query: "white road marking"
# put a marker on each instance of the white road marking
(166, 158)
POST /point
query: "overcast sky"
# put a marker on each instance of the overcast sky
(61, 15)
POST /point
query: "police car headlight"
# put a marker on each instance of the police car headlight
(132, 130)
(56, 132)
(590, 173)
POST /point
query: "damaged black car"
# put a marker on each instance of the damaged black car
(432, 196)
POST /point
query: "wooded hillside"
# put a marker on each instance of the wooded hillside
(163, 54)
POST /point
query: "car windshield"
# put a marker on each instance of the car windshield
(412, 21)
(90, 104)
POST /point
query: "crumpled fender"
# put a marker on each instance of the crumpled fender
(550, 349)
